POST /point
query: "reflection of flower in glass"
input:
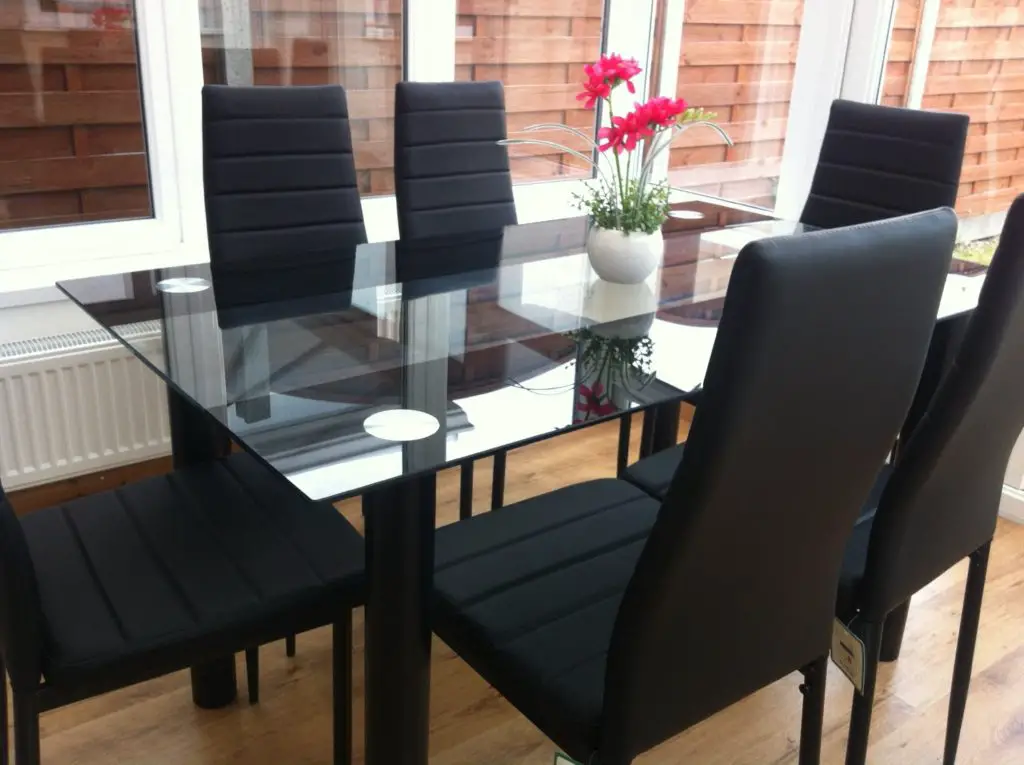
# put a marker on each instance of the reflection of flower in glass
(112, 17)
(594, 403)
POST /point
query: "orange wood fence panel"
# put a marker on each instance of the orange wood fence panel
(738, 59)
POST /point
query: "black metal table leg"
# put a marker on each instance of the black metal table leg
(400, 567)
(196, 437)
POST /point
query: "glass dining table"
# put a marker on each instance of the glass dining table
(365, 371)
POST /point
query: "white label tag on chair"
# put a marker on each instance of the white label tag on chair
(561, 759)
(848, 654)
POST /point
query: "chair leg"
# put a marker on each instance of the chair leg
(498, 482)
(289, 646)
(342, 689)
(647, 434)
(860, 717)
(466, 490)
(26, 729)
(252, 673)
(622, 457)
(892, 632)
(5, 750)
(965, 643)
(813, 718)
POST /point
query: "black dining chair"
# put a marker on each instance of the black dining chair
(451, 177)
(614, 621)
(116, 588)
(279, 177)
(278, 171)
(880, 162)
(939, 502)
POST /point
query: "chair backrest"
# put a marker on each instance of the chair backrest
(880, 162)
(21, 617)
(448, 263)
(942, 499)
(819, 351)
(279, 174)
(272, 289)
(451, 175)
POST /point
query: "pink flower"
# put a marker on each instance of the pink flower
(605, 75)
(626, 132)
(662, 111)
(591, 403)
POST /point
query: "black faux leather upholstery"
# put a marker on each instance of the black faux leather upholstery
(447, 263)
(880, 162)
(743, 541)
(279, 174)
(451, 175)
(529, 594)
(943, 498)
(165, 572)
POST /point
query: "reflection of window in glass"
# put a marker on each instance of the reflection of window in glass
(537, 48)
(72, 143)
(974, 65)
(738, 61)
(354, 43)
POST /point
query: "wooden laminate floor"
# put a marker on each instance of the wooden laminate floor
(156, 724)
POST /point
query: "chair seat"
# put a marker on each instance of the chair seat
(528, 596)
(653, 474)
(215, 556)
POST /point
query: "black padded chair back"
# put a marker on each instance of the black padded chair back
(451, 175)
(822, 341)
(880, 162)
(273, 289)
(941, 502)
(279, 174)
(448, 263)
(21, 616)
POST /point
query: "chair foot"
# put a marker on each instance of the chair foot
(966, 640)
(26, 729)
(466, 490)
(892, 632)
(252, 673)
(498, 481)
(289, 646)
(860, 717)
(813, 716)
(342, 689)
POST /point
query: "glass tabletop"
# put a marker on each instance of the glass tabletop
(350, 369)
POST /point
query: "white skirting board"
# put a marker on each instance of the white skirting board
(79, 403)
(1012, 505)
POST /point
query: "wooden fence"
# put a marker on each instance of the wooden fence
(977, 68)
(72, 146)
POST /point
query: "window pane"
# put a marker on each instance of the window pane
(976, 68)
(354, 43)
(537, 48)
(72, 144)
(738, 60)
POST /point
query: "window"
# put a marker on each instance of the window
(958, 55)
(737, 60)
(537, 48)
(354, 43)
(72, 140)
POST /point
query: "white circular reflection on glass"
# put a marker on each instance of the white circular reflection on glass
(686, 214)
(401, 425)
(182, 284)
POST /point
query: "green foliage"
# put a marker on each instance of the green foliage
(599, 353)
(628, 207)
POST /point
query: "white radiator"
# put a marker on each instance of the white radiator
(78, 403)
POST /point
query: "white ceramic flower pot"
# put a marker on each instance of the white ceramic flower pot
(624, 258)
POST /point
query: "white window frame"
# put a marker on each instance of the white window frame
(36, 257)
